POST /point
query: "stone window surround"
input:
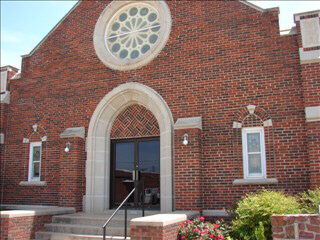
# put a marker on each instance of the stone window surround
(98, 143)
(254, 181)
(99, 36)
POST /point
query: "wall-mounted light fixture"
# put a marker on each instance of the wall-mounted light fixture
(185, 139)
(67, 149)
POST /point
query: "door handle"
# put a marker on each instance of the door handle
(133, 175)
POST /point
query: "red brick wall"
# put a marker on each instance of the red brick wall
(303, 226)
(134, 122)
(22, 228)
(187, 170)
(311, 93)
(221, 56)
(72, 174)
(168, 232)
(310, 75)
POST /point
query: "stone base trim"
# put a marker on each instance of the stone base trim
(309, 56)
(215, 213)
(5, 97)
(255, 181)
(312, 114)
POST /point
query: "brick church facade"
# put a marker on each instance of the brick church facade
(207, 96)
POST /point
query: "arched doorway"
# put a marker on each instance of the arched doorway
(97, 196)
(135, 156)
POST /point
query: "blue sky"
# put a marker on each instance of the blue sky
(25, 23)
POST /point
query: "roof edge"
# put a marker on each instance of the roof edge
(52, 30)
(260, 9)
(252, 5)
(9, 68)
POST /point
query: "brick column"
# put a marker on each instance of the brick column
(308, 28)
(299, 226)
(72, 171)
(187, 166)
(156, 227)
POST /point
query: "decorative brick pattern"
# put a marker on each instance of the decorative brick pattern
(135, 121)
(22, 228)
(168, 232)
(292, 227)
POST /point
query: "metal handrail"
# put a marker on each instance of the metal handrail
(124, 202)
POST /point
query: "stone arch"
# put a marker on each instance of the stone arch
(97, 197)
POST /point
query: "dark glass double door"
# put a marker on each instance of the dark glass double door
(135, 160)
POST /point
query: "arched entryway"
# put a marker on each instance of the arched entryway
(98, 143)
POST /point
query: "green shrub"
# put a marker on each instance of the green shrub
(310, 201)
(254, 211)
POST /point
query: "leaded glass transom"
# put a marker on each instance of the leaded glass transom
(133, 31)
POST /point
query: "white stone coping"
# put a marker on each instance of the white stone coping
(298, 16)
(33, 183)
(73, 132)
(32, 210)
(257, 181)
(312, 114)
(189, 122)
(215, 213)
(158, 220)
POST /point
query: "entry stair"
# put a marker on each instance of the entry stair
(84, 226)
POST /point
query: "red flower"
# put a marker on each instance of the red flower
(201, 218)
(215, 226)
(183, 237)
(212, 236)
(196, 230)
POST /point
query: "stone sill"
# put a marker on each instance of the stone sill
(33, 183)
(256, 181)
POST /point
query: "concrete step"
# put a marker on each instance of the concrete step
(84, 229)
(69, 236)
(91, 220)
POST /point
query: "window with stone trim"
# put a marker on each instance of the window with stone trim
(253, 150)
(253, 143)
(35, 155)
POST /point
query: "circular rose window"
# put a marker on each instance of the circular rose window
(128, 35)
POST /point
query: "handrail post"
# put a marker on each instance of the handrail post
(125, 220)
(104, 233)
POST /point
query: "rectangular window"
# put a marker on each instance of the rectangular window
(35, 161)
(253, 149)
